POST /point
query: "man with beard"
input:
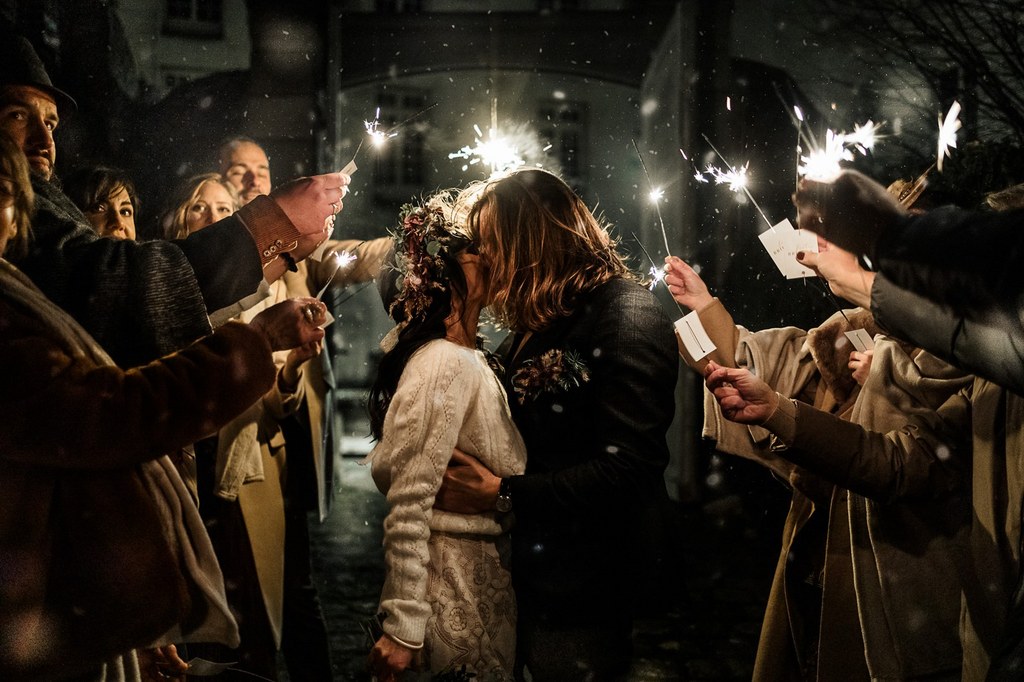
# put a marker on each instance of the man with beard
(141, 300)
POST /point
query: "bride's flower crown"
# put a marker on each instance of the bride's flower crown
(422, 240)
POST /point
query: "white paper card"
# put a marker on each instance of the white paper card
(861, 340)
(782, 241)
(697, 342)
(772, 240)
(801, 240)
(328, 321)
(350, 168)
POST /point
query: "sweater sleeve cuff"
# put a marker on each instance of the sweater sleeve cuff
(407, 645)
(782, 422)
(270, 228)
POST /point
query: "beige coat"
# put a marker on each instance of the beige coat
(997, 432)
(255, 439)
(885, 559)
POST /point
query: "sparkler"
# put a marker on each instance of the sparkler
(947, 132)
(379, 136)
(798, 123)
(822, 164)
(657, 274)
(864, 136)
(496, 152)
(342, 260)
(698, 175)
(656, 195)
(734, 179)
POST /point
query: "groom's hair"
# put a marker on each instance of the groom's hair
(542, 248)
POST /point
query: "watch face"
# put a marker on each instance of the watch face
(503, 504)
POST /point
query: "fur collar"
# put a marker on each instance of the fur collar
(831, 349)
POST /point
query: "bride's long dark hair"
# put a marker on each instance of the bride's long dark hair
(425, 326)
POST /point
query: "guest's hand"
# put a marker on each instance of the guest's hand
(860, 365)
(161, 664)
(291, 323)
(468, 487)
(845, 277)
(291, 371)
(311, 204)
(685, 285)
(388, 659)
(743, 397)
(853, 211)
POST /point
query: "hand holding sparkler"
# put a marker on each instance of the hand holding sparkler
(685, 285)
(841, 271)
(289, 379)
(853, 211)
(291, 323)
(743, 397)
(310, 204)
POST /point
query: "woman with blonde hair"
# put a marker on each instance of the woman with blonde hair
(200, 201)
(591, 367)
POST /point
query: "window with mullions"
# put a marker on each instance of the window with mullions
(563, 125)
(195, 18)
(400, 162)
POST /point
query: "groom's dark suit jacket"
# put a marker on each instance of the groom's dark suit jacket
(596, 453)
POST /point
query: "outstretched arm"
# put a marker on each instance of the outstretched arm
(926, 458)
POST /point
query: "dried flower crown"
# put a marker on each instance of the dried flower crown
(425, 236)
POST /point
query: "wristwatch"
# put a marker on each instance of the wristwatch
(504, 501)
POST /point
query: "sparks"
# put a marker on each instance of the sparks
(657, 206)
(657, 194)
(735, 178)
(947, 133)
(342, 260)
(734, 182)
(657, 276)
(698, 175)
(377, 136)
(822, 165)
(499, 154)
(864, 136)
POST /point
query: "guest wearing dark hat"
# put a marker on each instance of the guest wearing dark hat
(142, 300)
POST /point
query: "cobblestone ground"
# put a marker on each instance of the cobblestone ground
(705, 627)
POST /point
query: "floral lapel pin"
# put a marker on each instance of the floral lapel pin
(553, 371)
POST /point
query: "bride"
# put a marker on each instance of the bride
(447, 600)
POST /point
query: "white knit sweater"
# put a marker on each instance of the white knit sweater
(446, 398)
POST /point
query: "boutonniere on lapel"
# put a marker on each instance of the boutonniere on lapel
(553, 371)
